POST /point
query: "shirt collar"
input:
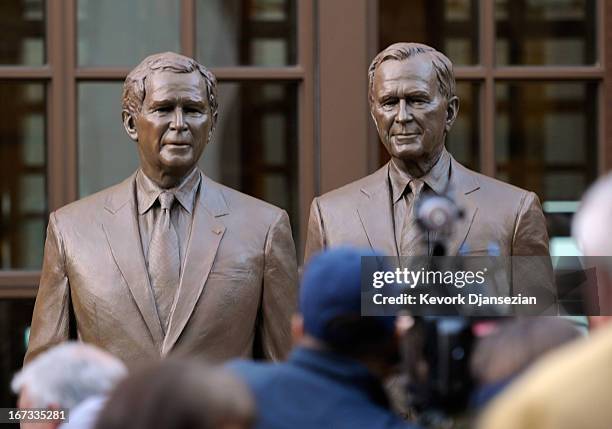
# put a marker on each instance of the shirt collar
(147, 191)
(436, 178)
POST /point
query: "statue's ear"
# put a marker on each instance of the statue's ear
(129, 123)
(297, 328)
(451, 112)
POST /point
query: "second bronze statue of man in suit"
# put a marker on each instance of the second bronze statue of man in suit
(413, 104)
(168, 261)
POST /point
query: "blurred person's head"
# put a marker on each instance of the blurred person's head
(65, 376)
(177, 394)
(591, 228)
(499, 357)
(330, 311)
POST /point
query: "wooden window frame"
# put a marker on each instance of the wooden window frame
(352, 137)
(61, 74)
(488, 73)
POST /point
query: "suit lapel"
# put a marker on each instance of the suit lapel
(121, 228)
(463, 184)
(206, 234)
(374, 210)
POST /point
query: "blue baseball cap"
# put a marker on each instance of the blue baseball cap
(331, 288)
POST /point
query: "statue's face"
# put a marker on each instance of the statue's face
(174, 124)
(411, 115)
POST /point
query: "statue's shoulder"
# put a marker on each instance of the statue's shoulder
(490, 186)
(111, 198)
(354, 191)
(238, 202)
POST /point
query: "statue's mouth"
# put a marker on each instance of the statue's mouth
(177, 143)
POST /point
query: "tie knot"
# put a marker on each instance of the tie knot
(416, 186)
(166, 199)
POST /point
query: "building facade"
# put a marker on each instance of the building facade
(534, 78)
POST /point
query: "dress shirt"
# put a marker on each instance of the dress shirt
(147, 193)
(436, 181)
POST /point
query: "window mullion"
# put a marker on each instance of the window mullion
(188, 28)
(487, 93)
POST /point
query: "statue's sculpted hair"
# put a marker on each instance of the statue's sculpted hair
(402, 51)
(134, 85)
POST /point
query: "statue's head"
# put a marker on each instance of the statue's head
(412, 100)
(170, 110)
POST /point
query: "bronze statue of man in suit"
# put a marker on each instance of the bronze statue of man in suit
(413, 104)
(168, 261)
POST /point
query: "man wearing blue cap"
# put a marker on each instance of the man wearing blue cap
(333, 376)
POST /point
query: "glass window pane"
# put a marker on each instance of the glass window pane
(559, 216)
(106, 153)
(254, 148)
(122, 33)
(23, 32)
(15, 317)
(545, 32)
(545, 137)
(462, 141)
(23, 175)
(451, 26)
(240, 32)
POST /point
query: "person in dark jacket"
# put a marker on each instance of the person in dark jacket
(333, 376)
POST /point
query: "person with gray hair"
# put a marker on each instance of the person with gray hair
(588, 229)
(64, 377)
(591, 224)
(571, 387)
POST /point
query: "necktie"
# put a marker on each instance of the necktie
(164, 259)
(412, 235)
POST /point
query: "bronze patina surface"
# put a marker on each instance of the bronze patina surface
(238, 273)
(413, 104)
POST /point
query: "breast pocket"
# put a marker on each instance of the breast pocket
(233, 289)
(231, 274)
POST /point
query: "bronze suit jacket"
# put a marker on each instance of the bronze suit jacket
(360, 214)
(237, 291)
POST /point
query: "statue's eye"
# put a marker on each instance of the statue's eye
(192, 110)
(389, 102)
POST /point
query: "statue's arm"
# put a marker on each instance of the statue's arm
(280, 287)
(50, 321)
(532, 273)
(530, 235)
(315, 239)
